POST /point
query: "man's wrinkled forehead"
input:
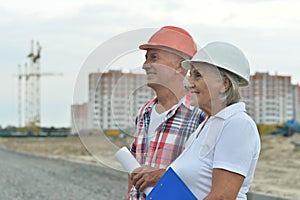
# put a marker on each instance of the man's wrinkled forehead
(155, 50)
(162, 53)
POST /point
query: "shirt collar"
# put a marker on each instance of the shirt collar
(150, 104)
(231, 110)
(186, 101)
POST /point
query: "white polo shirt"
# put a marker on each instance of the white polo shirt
(229, 140)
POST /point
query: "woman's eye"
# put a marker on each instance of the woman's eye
(197, 75)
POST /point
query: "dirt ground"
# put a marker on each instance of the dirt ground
(67, 147)
(277, 172)
(278, 168)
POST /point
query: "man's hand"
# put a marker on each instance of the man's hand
(145, 176)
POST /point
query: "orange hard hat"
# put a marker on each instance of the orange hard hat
(173, 38)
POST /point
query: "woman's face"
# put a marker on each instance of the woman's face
(206, 83)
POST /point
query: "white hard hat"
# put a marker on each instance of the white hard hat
(225, 56)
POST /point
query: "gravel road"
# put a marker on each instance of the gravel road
(25, 176)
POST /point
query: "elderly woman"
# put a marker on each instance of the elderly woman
(220, 160)
(220, 157)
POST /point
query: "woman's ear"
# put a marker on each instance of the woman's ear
(226, 83)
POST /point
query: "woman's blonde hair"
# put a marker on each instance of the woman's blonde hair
(232, 94)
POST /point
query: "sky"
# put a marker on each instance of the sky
(73, 32)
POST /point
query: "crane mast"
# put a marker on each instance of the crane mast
(29, 100)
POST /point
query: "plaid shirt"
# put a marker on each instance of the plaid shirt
(171, 135)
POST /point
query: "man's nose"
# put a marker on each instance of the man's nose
(146, 65)
(188, 82)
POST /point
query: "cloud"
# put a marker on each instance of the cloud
(267, 14)
(250, 1)
(268, 31)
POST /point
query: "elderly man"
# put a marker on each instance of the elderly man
(163, 124)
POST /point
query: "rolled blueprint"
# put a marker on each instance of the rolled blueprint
(129, 163)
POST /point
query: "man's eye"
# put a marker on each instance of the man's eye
(154, 57)
(151, 57)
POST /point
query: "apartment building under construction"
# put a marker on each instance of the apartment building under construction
(115, 98)
(272, 99)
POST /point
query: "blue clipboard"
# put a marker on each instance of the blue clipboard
(170, 186)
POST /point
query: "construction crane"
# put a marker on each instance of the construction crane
(29, 100)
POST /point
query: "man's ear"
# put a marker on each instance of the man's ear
(179, 68)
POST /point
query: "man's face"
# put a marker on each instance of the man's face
(160, 67)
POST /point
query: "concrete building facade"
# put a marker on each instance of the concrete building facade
(79, 117)
(115, 98)
(296, 93)
(270, 99)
